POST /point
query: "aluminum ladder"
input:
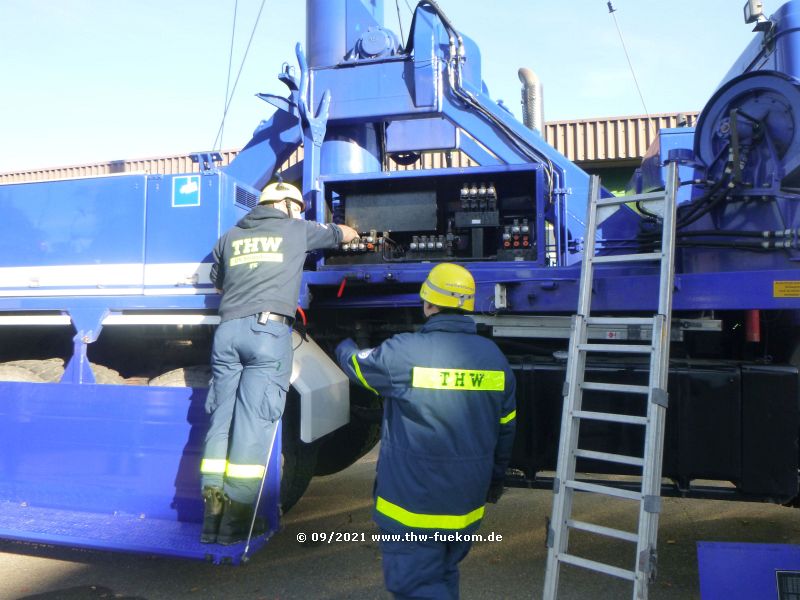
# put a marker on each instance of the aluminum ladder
(648, 496)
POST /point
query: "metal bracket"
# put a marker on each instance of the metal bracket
(652, 504)
(660, 397)
(648, 563)
(206, 160)
(565, 389)
(556, 485)
(500, 296)
(316, 123)
(551, 536)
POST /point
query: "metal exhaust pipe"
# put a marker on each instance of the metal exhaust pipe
(532, 101)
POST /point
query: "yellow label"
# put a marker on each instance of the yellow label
(458, 379)
(786, 289)
(256, 258)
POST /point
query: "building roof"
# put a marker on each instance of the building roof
(609, 141)
(612, 141)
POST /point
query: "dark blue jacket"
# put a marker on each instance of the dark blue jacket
(448, 422)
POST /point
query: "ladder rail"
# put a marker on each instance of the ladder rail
(565, 484)
(659, 375)
(558, 536)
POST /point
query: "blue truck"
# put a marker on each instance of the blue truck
(107, 311)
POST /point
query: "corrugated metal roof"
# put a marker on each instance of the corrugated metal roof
(617, 140)
(609, 141)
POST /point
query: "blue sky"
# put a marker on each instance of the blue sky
(97, 80)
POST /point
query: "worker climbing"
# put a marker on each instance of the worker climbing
(258, 266)
(448, 427)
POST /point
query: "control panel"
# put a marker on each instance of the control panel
(480, 216)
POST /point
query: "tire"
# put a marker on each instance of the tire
(346, 445)
(48, 369)
(51, 370)
(9, 372)
(198, 376)
(299, 459)
(105, 376)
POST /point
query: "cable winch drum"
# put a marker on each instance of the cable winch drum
(754, 114)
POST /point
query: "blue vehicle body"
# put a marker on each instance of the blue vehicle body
(113, 272)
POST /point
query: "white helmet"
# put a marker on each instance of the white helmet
(280, 191)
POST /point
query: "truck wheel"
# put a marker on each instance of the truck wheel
(346, 445)
(298, 458)
(9, 372)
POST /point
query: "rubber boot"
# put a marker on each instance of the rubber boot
(214, 500)
(236, 520)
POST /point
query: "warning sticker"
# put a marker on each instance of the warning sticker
(786, 289)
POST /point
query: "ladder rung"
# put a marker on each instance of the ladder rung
(621, 348)
(623, 388)
(619, 321)
(606, 531)
(648, 197)
(605, 490)
(612, 258)
(593, 565)
(608, 457)
(610, 417)
(614, 201)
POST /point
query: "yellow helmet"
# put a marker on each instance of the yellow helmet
(449, 285)
(279, 191)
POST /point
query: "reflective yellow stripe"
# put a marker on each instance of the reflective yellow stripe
(245, 471)
(411, 519)
(458, 379)
(509, 417)
(361, 377)
(255, 258)
(213, 465)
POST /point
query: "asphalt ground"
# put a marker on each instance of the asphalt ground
(286, 569)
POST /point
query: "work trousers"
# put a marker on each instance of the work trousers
(422, 569)
(251, 364)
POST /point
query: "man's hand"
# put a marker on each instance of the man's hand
(348, 233)
(495, 491)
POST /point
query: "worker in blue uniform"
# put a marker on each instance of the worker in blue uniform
(258, 267)
(447, 431)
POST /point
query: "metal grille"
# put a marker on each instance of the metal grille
(788, 585)
(245, 198)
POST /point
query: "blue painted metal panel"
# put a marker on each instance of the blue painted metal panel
(187, 233)
(735, 571)
(653, 172)
(370, 92)
(420, 134)
(273, 142)
(112, 467)
(77, 221)
(541, 290)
